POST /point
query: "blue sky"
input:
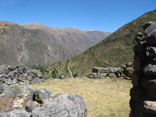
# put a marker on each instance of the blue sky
(101, 15)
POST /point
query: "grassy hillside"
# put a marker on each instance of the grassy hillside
(101, 95)
(115, 50)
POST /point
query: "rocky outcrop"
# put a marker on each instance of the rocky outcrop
(20, 100)
(125, 71)
(63, 105)
(143, 93)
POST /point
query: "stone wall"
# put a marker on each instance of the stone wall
(20, 73)
(143, 93)
(125, 71)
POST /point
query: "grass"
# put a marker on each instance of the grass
(104, 97)
(113, 51)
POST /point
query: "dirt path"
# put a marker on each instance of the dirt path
(71, 73)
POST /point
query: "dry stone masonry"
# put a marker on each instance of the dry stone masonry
(125, 71)
(143, 93)
(18, 99)
(20, 73)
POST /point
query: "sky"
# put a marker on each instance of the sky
(100, 15)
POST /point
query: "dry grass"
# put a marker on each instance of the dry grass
(104, 97)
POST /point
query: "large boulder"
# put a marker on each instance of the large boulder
(16, 90)
(19, 100)
(36, 80)
(16, 113)
(63, 105)
(15, 97)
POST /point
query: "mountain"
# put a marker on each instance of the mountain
(113, 51)
(37, 44)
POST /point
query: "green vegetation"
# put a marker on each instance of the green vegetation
(112, 51)
(61, 68)
(104, 97)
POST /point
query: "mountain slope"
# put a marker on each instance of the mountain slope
(37, 44)
(115, 50)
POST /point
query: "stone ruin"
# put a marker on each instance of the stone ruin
(125, 71)
(20, 73)
(143, 93)
(18, 99)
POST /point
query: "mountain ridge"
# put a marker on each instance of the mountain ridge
(113, 51)
(42, 45)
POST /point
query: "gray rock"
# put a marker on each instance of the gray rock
(129, 64)
(21, 66)
(29, 78)
(94, 74)
(151, 37)
(147, 24)
(21, 78)
(104, 74)
(11, 74)
(63, 105)
(16, 113)
(151, 51)
(42, 95)
(20, 71)
(62, 77)
(149, 70)
(149, 107)
(32, 73)
(9, 81)
(11, 68)
(113, 70)
(16, 90)
(36, 80)
(5, 75)
(14, 81)
(111, 75)
(123, 66)
(150, 28)
(4, 80)
(30, 106)
(2, 69)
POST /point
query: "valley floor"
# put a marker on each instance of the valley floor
(104, 97)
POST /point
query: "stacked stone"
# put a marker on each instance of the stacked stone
(109, 72)
(143, 93)
(20, 73)
(127, 70)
